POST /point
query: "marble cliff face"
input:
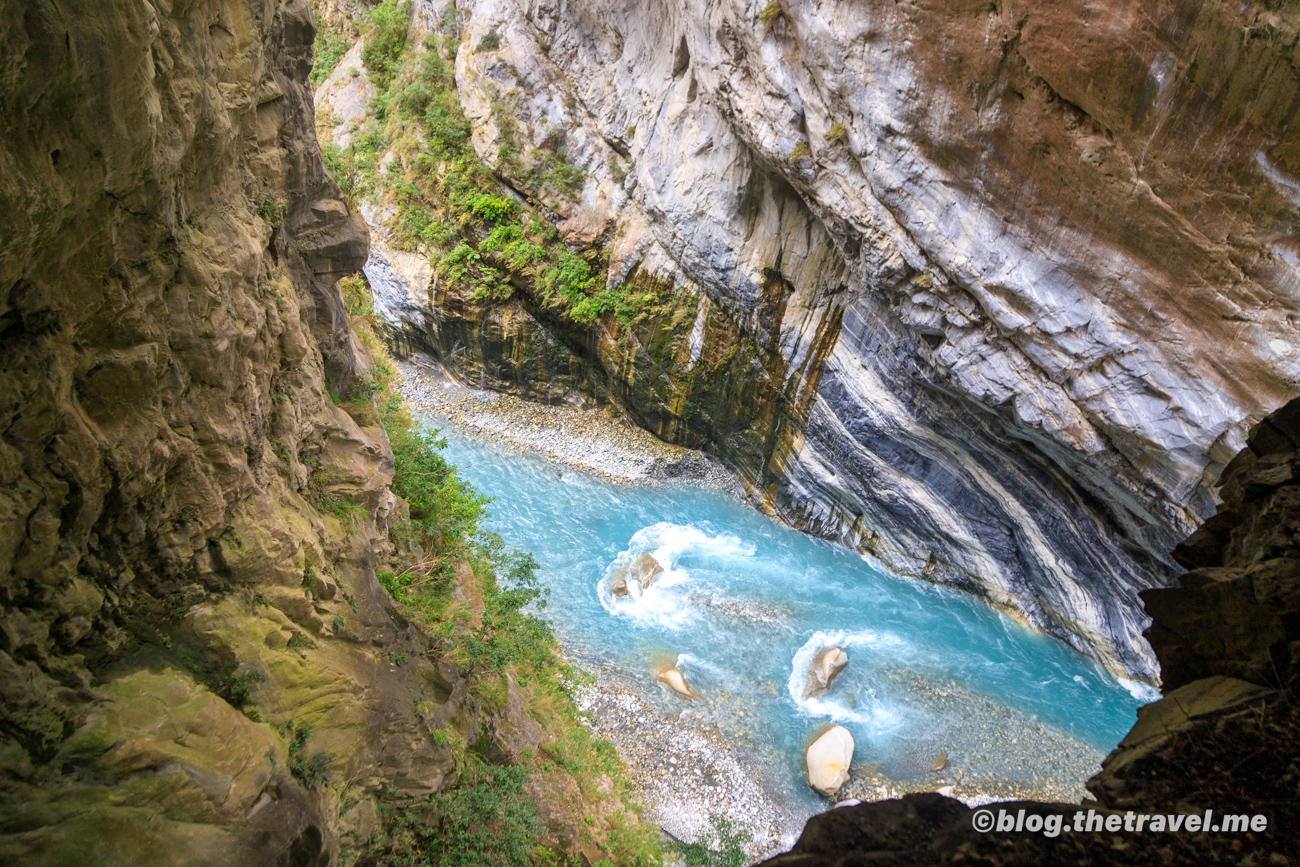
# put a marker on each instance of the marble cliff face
(1016, 276)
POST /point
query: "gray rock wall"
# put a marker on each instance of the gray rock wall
(1059, 243)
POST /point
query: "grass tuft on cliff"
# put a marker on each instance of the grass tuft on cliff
(332, 42)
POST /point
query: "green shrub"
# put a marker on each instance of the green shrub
(385, 41)
(330, 46)
(482, 820)
(238, 688)
(552, 172)
(447, 126)
(508, 633)
(491, 41)
(492, 208)
(356, 297)
(313, 771)
(449, 204)
(355, 168)
(485, 818)
(445, 509)
(768, 16)
(273, 213)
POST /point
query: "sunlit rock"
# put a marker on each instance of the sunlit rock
(828, 759)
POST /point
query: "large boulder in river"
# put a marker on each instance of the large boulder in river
(674, 680)
(825, 667)
(828, 759)
(642, 572)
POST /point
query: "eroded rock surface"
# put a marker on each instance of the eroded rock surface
(641, 572)
(824, 668)
(996, 307)
(1224, 737)
(197, 663)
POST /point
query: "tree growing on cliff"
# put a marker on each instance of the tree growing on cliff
(386, 40)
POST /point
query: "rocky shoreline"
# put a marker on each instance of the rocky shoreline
(682, 773)
(685, 767)
(582, 438)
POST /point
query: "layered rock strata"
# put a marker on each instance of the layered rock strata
(1224, 737)
(197, 664)
(1007, 282)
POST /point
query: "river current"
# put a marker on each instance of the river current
(743, 604)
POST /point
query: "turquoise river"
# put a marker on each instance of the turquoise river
(743, 604)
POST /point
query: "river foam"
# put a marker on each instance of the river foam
(742, 605)
(865, 710)
(678, 549)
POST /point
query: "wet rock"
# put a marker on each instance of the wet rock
(673, 679)
(827, 760)
(863, 772)
(825, 667)
(636, 577)
(940, 763)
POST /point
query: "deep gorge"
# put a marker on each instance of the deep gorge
(915, 329)
(1002, 296)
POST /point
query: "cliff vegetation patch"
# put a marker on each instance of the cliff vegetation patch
(478, 230)
(479, 601)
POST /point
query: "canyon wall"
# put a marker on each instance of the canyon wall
(1010, 279)
(1223, 738)
(197, 663)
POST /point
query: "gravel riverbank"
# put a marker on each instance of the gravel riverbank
(689, 761)
(585, 439)
(683, 773)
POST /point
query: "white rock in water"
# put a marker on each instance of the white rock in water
(825, 667)
(828, 759)
(673, 679)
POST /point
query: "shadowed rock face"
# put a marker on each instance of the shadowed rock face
(170, 596)
(169, 326)
(1023, 273)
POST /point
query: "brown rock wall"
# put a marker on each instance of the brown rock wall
(197, 664)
